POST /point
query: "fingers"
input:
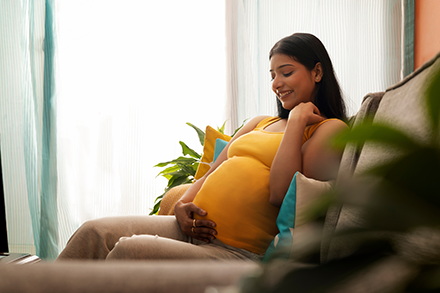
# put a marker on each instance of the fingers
(184, 212)
(203, 223)
(310, 106)
(204, 234)
(195, 209)
(315, 109)
(307, 112)
(191, 208)
(203, 230)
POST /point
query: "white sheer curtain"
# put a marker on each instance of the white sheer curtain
(132, 73)
(363, 38)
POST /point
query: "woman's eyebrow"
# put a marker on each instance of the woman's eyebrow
(281, 66)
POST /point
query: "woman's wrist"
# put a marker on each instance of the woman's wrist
(296, 123)
(297, 117)
(178, 205)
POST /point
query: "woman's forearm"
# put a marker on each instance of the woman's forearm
(191, 193)
(287, 161)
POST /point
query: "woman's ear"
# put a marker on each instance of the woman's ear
(317, 71)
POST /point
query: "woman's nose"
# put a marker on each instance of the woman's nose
(276, 84)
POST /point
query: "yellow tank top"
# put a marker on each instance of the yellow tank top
(236, 194)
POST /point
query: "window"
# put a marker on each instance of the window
(132, 73)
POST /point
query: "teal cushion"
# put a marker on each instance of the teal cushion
(302, 193)
(219, 146)
(280, 245)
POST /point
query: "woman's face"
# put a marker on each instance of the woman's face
(292, 82)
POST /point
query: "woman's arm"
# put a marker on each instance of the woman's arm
(320, 160)
(184, 208)
(314, 159)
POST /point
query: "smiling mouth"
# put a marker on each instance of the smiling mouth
(281, 95)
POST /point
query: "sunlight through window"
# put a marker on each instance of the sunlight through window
(132, 73)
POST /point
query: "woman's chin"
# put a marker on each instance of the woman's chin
(287, 106)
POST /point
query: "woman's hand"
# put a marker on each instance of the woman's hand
(289, 157)
(199, 229)
(306, 112)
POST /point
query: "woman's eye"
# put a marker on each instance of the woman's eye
(287, 74)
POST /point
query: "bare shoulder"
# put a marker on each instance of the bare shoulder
(320, 159)
(327, 130)
(331, 126)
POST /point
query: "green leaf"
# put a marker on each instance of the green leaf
(433, 102)
(195, 167)
(179, 160)
(184, 160)
(200, 133)
(188, 151)
(178, 180)
(424, 162)
(222, 129)
(157, 202)
(236, 130)
(178, 173)
(168, 170)
(163, 164)
(188, 170)
(155, 208)
(160, 196)
(378, 133)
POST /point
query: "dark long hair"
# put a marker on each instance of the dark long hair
(308, 50)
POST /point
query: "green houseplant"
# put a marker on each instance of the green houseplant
(183, 169)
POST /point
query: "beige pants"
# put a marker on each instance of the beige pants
(144, 237)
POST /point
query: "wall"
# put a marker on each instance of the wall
(427, 30)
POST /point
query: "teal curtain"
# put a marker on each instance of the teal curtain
(28, 124)
(408, 36)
